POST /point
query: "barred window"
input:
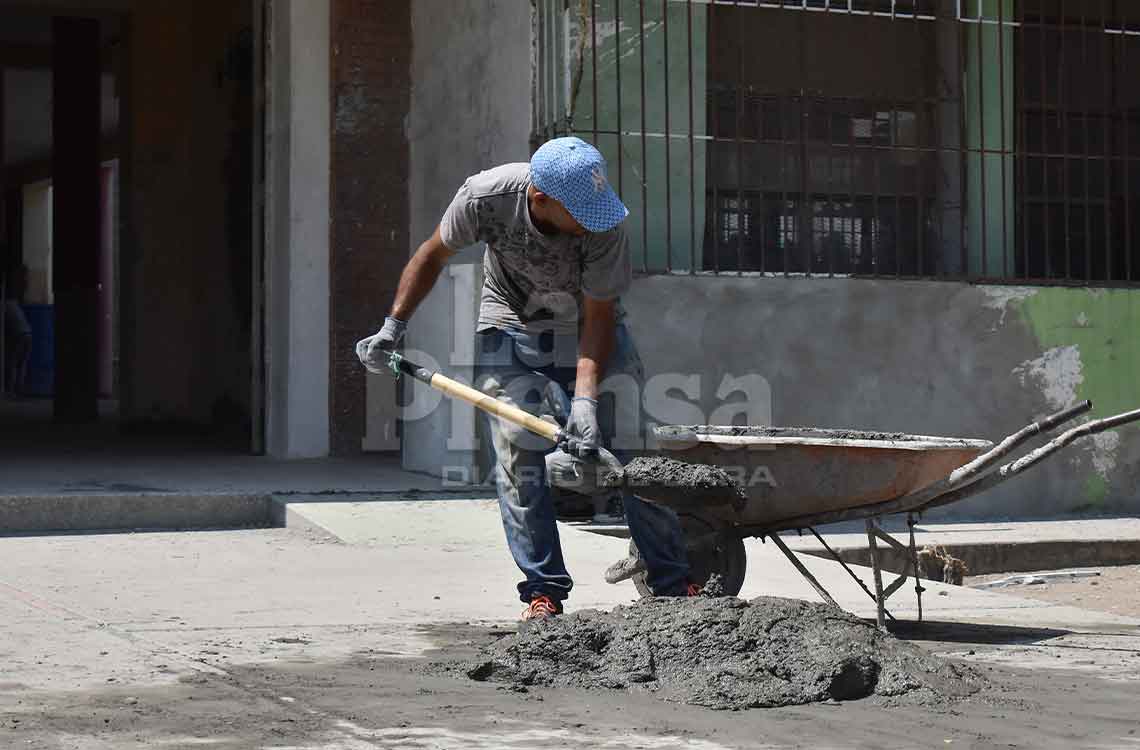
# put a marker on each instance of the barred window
(974, 139)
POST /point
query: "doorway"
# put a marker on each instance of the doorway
(128, 222)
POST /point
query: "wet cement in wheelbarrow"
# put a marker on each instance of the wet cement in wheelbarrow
(659, 471)
(723, 653)
(680, 484)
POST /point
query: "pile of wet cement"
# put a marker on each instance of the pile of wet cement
(723, 653)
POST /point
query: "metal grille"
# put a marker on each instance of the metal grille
(973, 139)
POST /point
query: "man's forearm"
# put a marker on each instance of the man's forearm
(594, 347)
(419, 276)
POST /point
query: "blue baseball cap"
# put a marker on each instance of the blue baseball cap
(574, 173)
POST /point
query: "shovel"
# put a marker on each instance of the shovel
(656, 479)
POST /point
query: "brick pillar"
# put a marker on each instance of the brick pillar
(371, 89)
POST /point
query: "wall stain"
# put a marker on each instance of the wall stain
(1100, 326)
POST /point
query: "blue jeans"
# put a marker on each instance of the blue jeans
(530, 370)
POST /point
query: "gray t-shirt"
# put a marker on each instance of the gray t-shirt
(531, 281)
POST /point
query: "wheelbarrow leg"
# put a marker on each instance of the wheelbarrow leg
(843, 563)
(880, 605)
(918, 589)
(795, 561)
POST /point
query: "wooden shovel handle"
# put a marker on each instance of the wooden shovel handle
(491, 405)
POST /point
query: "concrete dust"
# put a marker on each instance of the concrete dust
(723, 653)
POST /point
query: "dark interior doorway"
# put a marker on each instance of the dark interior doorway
(126, 224)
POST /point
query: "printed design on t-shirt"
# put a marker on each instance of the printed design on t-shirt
(530, 265)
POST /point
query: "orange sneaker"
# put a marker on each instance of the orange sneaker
(541, 607)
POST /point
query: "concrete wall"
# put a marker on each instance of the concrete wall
(921, 357)
(470, 110)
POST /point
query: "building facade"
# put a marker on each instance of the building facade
(901, 215)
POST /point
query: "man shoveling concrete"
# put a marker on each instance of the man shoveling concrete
(556, 263)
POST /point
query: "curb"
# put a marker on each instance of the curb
(170, 511)
(1006, 557)
(981, 558)
(32, 514)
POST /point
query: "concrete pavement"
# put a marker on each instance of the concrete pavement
(175, 484)
(161, 634)
(87, 609)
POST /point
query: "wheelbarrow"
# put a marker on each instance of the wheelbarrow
(801, 478)
(764, 480)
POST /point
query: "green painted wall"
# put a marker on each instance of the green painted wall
(636, 162)
(1104, 326)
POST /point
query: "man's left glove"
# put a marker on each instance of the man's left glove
(582, 426)
(373, 351)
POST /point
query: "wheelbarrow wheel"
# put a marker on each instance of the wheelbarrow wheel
(722, 553)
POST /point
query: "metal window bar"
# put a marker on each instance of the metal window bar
(1062, 103)
(692, 146)
(1125, 164)
(798, 209)
(739, 144)
(982, 155)
(1021, 180)
(1105, 120)
(643, 178)
(1001, 110)
(668, 140)
(1046, 163)
(1086, 244)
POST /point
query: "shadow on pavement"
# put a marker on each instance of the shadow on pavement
(965, 632)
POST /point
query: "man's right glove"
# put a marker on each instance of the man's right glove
(373, 351)
(582, 427)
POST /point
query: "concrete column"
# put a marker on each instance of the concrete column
(989, 102)
(77, 211)
(950, 63)
(458, 47)
(297, 230)
(371, 90)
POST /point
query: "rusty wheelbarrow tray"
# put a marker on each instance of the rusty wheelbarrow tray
(801, 478)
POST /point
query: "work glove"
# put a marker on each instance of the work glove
(373, 351)
(582, 427)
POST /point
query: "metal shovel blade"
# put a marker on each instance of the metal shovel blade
(658, 479)
(680, 485)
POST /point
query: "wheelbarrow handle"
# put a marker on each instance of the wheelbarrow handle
(477, 398)
(987, 462)
(1047, 424)
(1013, 468)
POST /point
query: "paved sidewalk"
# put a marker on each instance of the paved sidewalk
(197, 470)
(193, 638)
(993, 546)
(41, 458)
(379, 577)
